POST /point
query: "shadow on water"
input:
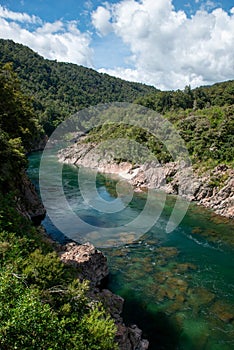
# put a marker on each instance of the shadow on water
(156, 326)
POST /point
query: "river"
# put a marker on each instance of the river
(178, 286)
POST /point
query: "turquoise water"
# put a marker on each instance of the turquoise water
(178, 286)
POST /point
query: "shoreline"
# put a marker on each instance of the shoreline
(213, 189)
(91, 265)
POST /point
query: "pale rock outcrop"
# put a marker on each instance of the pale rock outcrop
(213, 188)
(91, 264)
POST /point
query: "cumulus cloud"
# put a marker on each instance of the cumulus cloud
(59, 40)
(50, 28)
(168, 48)
(100, 20)
(17, 16)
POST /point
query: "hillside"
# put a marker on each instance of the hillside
(219, 94)
(45, 303)
(60, 89)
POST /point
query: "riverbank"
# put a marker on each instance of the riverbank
(158, 274)
(91, 265)
(213, 188)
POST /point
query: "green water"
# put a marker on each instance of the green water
(178, 286)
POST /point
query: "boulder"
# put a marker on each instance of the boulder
(129, 338)
(91, 264)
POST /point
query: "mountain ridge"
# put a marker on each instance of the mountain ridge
(61, 89)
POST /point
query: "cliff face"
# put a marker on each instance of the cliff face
(91, 265)
(213, 188)
(28, 202)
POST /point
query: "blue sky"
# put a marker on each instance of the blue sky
(164, 43)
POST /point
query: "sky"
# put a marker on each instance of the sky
(165, 43)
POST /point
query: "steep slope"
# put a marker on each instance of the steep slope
(59, 89)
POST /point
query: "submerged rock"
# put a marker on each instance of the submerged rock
(167, 252)
(223, 312)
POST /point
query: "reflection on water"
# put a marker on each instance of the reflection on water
(178, 287)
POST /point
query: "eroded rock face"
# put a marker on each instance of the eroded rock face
(220, 199)
(91, 264)
(129, 338)
(28, 203)
(213, 189)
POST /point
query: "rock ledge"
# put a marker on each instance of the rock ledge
(91, 265)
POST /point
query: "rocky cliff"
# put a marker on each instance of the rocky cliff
(91, 265)
(213, 188)
(27, 200)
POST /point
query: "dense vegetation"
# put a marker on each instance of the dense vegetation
(19, 129)
(60, 89)
(204, 118)
(42, 303)
(208, 134)
(220, 94)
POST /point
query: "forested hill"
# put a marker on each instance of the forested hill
(204, 116)
(59, 89)
(219, 94)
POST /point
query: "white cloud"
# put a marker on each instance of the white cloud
(50, 28)
(170, 49)
(163, 47)
(17, 16)
(100, 20)
(59, 40)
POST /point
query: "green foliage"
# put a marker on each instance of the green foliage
(19, 131)
(209, 134)
(16, 113)
(42, 303)
(220, 94)
(13, 161)
(61, 89)
(208, 127)
(96, 327)
(27, 322)
(141, 145)
(43, 270)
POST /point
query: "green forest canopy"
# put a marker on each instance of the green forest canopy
(203, 116)
(61, 89)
